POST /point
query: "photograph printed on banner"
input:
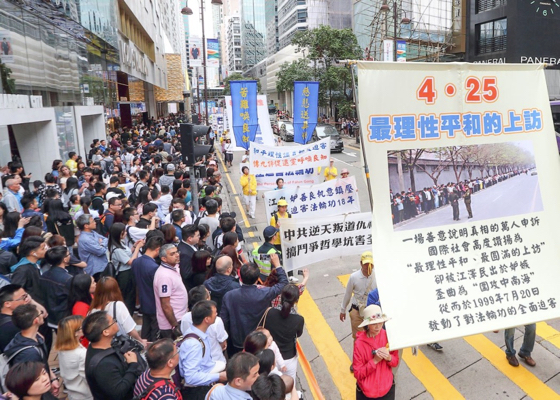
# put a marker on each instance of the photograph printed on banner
(449, 185)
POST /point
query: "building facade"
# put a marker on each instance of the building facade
(253, 32)
(271, 16)
(501, 31)
(62, 62)
(234, 63)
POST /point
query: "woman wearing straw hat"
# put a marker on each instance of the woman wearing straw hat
(373, 362)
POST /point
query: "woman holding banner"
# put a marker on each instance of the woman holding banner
(249, 185)
(373, 362)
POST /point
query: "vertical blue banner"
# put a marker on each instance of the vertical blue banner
(244, 111)
(306, 110)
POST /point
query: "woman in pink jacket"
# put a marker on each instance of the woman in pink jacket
(373, 362)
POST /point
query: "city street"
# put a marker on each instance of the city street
(514, 196)
(468, 368)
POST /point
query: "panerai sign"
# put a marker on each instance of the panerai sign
(133, 58)
(20, 101)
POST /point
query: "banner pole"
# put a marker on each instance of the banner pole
(353, 66)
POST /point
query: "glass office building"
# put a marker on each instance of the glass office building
(49, 55)
(253, 32)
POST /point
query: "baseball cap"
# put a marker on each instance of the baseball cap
(367, 257)
(269, 232)
(282, 202)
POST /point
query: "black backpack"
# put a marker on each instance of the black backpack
(132, 197)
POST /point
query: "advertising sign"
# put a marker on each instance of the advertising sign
(195, 51)
(213, 52)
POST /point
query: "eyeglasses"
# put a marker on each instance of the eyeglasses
(110, 325)
(24, 297)
(40, 313)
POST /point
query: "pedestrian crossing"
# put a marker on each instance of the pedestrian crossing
(437, 385)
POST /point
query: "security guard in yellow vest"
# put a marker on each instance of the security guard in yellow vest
(261, 255)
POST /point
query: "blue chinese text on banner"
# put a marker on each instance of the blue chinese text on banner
(244, 110)
(306, 103)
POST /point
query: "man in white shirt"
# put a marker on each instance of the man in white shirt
(359, 285)
(134, 234)
(216, 332)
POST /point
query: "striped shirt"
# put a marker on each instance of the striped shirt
(164, 392)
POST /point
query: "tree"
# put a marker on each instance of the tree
(323, 48)
(7, 83)
(436, 170)
(238, 77)
(289, 73)
(410, 159)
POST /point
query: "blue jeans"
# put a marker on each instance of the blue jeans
(528, 340)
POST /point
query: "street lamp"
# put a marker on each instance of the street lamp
(385, 9)
(188, 11)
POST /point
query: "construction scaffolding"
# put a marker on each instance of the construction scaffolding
(434, 30)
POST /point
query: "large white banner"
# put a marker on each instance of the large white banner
(311, 240)
(466, 181)
(334, 197)
(264, 132)
(297, 165)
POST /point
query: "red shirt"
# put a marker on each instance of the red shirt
(81, 308)
(375, 380)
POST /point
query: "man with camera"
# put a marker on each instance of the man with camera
(111, 372)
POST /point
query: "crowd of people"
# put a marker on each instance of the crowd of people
(109, 240)
(409, 204)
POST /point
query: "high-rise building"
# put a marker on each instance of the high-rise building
(233, 41)
(253, 32)
(271, 12)
(300, 15)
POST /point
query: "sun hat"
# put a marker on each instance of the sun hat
(373, 315)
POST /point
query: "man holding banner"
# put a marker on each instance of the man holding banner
(359, 285)
(274, 221)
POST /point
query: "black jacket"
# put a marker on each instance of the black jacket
(113, 378)
(7, 259)
(38, 351)
(29, 277)
(56, 287)
(219, 285)
(185, 263)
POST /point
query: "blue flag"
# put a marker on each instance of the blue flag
(306, 110)
(244, 112)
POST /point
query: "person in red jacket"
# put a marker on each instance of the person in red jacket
(373, 362)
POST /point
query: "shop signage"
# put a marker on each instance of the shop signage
(20, 101)
(133, 58)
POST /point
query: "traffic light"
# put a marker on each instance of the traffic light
(191, 150)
